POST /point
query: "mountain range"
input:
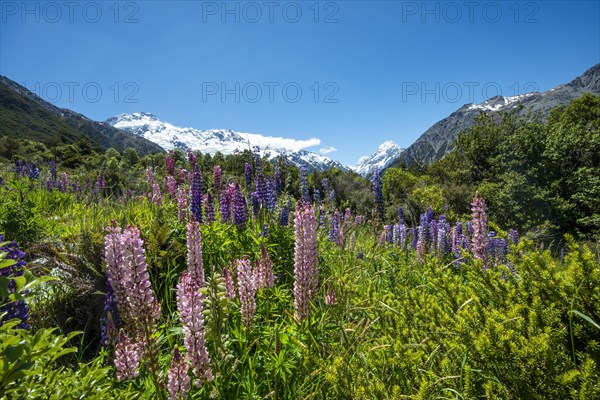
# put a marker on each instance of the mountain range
(437, 140)
(23, 114)
(169, 137)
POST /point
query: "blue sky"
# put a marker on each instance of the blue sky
(350, 73)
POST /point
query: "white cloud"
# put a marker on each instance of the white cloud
(279, 142)
(327, 150)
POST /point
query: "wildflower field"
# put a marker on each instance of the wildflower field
(183, 275)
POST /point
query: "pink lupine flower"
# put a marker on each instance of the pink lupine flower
(157, 197)
(178, 379)
(128, 355)
(480, 229)
(149, 176)
(189, 304)
(181, 204)
(171, 186)
(195, 265)
(247, 290)
(305, 259)
(181, 176)
(230, 291)
(129, 278)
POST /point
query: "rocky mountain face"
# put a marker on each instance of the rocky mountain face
(383, 157)
(169, 137)
(438, 140)
(24, 114)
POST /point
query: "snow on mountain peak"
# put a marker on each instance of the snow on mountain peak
(211, 141)
(385, 154)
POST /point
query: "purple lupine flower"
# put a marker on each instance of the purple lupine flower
(378, 192)
(171, 186)
(192, 159)
(255, 200)
(53, 170)
(178, 379)
(240, 211)
(246, 290)
(181, 176)
(128, 355)
(181, 204)
(325, 183)
(248, 174)
(284, 215)
(18, 168)
(330, 299)
(34, 171)
(457, 237)
(469, 226)
(432, 230)
(358, 220)
(196, 194)
(111, 321)
(277, 180)
(305, 259)
(322, 216)
(271, 200)
(513, 236)
(190, 307)
(157, 197)
(396, 234)
(304, 184)
(217, 178)
(64, 182)
(170, 163)
(334, 226)
(442, 237)
(230, 291)
(429, 214)
(422, 237)
(101, 183)
(261, 187)
(127, 274)
(480, 229)
(16, 309)
(195, 266)
(415, 237)
(500, 249)
(225, 202)
(149, 176)
(389, 238)
(209, 208)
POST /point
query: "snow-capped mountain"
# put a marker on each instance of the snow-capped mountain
(386, 153)
(169, 137)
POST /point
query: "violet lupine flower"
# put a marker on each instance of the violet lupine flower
(195, 266)
(171, 186)
(271, 200)
(480, 229)
(230, 291)
(16, 309)
(415, 237)
(170, 163)
(457, 238)
(284, 215)
(432, 230)
(192, 159)
(34, 171)
(149, 176)
(101, 183)
(429, 214)
(225, 203)
(305, 259)
(422, 236)
(500, 249)
(181, 176)
(196, 195)
(217, 178)
(255, 200)
(248, 174)
(330, 299)
(389, 234)
(240, 211)
(189, 304)
(277, 180)
(157, 197)
(209, 208)
(127, 274)
(322, 216)
(513, 236)
(378, 192)
(304, 184)
(178, 379)
(442, 237)
(396, 234)
(128, 355)
(111, 322)
(261, 187)
(358, 220)
(181, 204)
(334, 226)
(246, 290)
(18, 168)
